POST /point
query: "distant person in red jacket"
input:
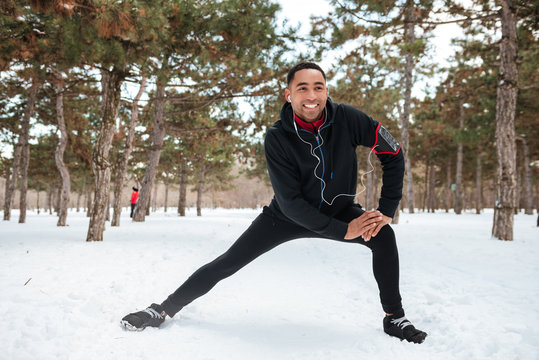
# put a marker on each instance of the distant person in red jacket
(134, 198)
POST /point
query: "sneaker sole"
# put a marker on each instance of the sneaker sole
(126, 325)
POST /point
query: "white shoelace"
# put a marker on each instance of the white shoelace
(153, 313)
(401, 322)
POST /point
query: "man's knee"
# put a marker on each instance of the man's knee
(385, 239)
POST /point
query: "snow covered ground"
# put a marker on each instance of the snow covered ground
(63, 298)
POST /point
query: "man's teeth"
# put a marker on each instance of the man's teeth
(311, 106)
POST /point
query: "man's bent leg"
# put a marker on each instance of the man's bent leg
(265, 233)
(385, 261)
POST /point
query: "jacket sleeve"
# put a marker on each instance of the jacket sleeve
(367, 132)
(287, 188)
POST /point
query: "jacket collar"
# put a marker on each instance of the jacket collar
(287, 115)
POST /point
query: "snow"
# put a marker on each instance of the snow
(308, 299)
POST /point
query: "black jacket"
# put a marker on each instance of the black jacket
(291, 166)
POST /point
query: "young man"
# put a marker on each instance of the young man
(312, 165)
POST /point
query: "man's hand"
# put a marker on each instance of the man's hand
(368, 221)
(374, 231)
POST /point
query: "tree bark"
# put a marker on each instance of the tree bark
(506, 99)
(37, 202)
(432, 185)
(154, 198)
(111, 83)
(166, 191)
(518, 189)
(460, 151)
(183, 188)
(25, 134)
(448, 188)
(57, 195)
(200, 190)
(124, 160)
(6, 183)
(395, 220)
(13, 181)
(405, 118)
(478, 182)
(88, 197)
(60, 149)
(107, 212)
(79, 196)
(527, 181)
(158, 134)
(369, 188)
(425, 193)
(49, 199)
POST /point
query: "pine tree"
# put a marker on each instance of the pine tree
(398, 23)
(232, 54)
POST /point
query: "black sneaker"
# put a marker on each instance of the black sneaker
(397, 325)
(152, 316)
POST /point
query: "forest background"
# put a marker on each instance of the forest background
(175, 96)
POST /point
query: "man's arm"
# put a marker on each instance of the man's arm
(367, 132)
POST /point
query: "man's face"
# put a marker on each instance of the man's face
(308, 94)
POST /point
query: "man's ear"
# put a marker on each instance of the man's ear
(287, 95)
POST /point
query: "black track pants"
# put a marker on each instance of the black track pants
(265, 233)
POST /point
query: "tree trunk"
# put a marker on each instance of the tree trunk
(107, 217)
(11, 183)
(111, 83)
(369, 188)
(527, 181)
(49, 199)
(460, 151)
(37, 202)
(25, 145)
(6, 183)
(478, 182)
(432, 185)
(448, 188)
(79, 196)
(183, 188)
(124, 160)
(395, 220)
(57, 195)
(88, 198)
(405, 118)
(518, 189)
(158, 134)
(148, 207)
(425, 195)
(60, 149)
(506, 99)
(154, 198)
(200, 190)
(166, 191)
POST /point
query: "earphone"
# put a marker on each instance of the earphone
(319, 161)
(289, 99)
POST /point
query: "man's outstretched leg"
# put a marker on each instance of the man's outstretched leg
(385, 264)
(265, 233)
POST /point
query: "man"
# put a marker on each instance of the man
(134, 198)
(312, 165)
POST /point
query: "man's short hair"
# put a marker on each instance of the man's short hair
(301, 66)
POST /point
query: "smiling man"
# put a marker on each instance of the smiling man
(312, 165)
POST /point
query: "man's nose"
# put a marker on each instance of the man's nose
(311, 95)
